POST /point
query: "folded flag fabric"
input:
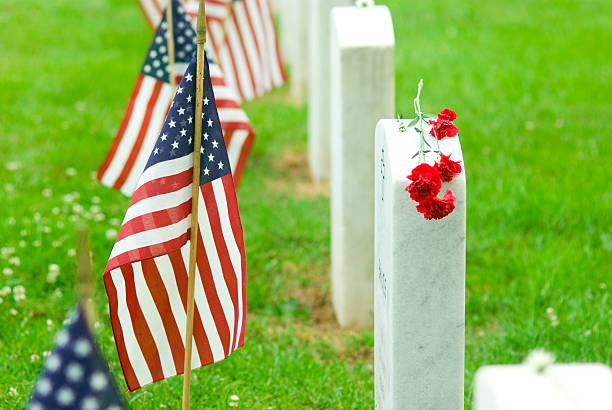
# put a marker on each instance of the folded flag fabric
(150, 101)
(146, 275)
(75, 375)
(244, 41)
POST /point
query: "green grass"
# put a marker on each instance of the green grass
(531, 85)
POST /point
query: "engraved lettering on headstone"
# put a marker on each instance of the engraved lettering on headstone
(382, 174)
(383, 280)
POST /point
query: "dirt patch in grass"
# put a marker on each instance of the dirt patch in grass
(297, 180)
(323, 326)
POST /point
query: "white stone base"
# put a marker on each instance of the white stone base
(560, 387)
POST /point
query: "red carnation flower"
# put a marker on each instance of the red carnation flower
(437, 208)
(447, 114)
(444, 126)
(447, 167)
(426, 182)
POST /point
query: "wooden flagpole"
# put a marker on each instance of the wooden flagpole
(170, 23)
(195, 194)
(85, 284)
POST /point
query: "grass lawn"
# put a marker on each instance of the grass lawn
(531, 84)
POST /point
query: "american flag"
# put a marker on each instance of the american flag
(244, 41)
(149, 103)
(146, 275)
(75, 375)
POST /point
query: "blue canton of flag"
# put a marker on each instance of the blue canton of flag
(156, 64)
(176, 138)
(76, 376)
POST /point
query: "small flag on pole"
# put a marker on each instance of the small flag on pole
(244, 41)
(146, 275)
(75, 375)
(149, 103)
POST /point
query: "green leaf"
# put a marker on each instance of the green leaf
(415, 155)
(426, 143)
(413, 122)
(418, 129)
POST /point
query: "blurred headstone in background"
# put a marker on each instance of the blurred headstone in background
(319, 127)
(362, 91)
(294, 28)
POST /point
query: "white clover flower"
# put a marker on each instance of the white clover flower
(71, 252)
(34, 358)
(22, 243)
(36, 243)
(115, 221)
(15, 261)
(49, 324)
(12, 391)
(46, 353)
(19, 293)
(13, 165)
(1, 301)
(11, 221)
(234, 397)
(95, 199)
(59, 224)
(7, 251)
(9, 187)
(7, 271)
(47, 192)
(95, 209)
(77, 208)
(5, 291)
(54, 271)
(23, 232)
(73, 218)
(56, 244)
(71, 172)
(55, 210)
(37, 216)
(13, 312)
(99, 217)
(111, 233)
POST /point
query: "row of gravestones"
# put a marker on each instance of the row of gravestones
(386, 257)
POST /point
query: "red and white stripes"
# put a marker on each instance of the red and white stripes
(148, 296)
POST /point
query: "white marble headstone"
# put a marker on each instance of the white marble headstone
(319, 126)
(559, 387)
(362, 91)
(419, 282)
(294, 38)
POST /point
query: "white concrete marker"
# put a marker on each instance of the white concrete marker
(319, 126)
(294, 29)
(560, 387)
(419, 282)
(362, 91)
